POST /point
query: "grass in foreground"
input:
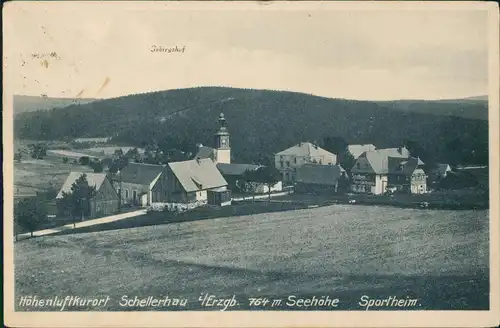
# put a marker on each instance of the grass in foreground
(439, 257)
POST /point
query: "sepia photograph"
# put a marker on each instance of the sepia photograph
(251, 164)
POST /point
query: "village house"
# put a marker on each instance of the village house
(235, 175)
(135, 183)
(192, 182)
(441, 171)
(289, 160)
(106, 200)
(380, 170)
(321, 179)
(232, 172)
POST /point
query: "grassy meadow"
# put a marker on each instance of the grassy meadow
(439, 257)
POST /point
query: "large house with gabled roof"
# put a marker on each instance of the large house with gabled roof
(135, 183)
(105, 201)
(290, 159)
(380, 170)
(192, 181)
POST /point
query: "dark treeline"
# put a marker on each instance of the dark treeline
(264, 122)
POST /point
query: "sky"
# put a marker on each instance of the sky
(354, 54)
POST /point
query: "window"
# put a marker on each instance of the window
(358, 165)
(295, 160)
(126, 193)
(281, 163)
(287, 163)
(320, 162)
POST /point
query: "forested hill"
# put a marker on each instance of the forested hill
(24, 104)
(262, 122)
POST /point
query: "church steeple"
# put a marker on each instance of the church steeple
(222, 146)
(222, 128)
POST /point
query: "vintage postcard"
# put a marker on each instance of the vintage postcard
(251, 164)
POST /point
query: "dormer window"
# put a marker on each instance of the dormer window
(197, 182)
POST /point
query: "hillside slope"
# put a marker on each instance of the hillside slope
(24, 104)
(261, 122)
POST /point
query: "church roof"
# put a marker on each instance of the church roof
(205, 152)
(236, 169)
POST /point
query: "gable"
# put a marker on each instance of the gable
(93, 179)
(107, 191)
(363, 165)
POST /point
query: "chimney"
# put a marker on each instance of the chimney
(198, 160)
(400, 150)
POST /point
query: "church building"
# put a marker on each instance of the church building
(221, 153)
(233, 173)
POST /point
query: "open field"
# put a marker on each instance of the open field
(109, 150)
(438, 257)
(41, 174)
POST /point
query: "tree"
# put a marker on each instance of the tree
(96, 166)
(77, 202)
(134, 155)
(335, 145)
(264, 174)
(118, 152)
(65, 160)
(453, 151)
(30, 213)
(38, 151)
(343, 184)
(84, 160)
(416, 150)
(347, 161)
(18, 157)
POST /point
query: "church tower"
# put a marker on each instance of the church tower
(222, 146)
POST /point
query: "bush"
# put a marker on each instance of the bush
(84, 160)
(30, 214)
(18, 157)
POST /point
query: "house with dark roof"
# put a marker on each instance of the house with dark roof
(321, 179)
(235, 175)
(192, 181)
(381, 170)
(135, 183)
(290, 159)
(106, 200)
